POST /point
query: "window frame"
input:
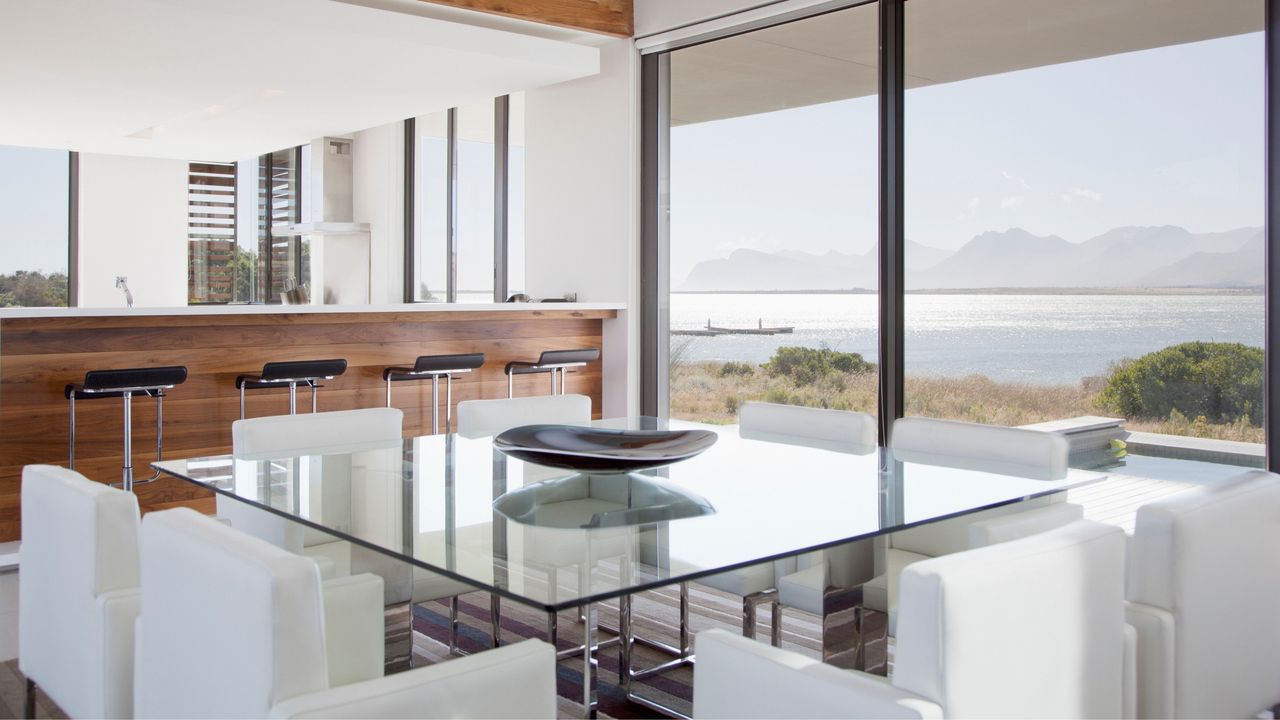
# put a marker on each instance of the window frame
(501, 204)
(654, 240)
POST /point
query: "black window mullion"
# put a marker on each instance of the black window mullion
(892, 244)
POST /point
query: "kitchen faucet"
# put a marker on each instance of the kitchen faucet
(122, 282)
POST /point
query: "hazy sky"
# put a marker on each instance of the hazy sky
(1167, 136)
(33, 209)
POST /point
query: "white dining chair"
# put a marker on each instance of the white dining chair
(1204, 578)
(480, 418)
(264, 644)
(78, 596)
(967, 446)
(276, 436)
(1030, 628)
(838, 430)
(341, 431)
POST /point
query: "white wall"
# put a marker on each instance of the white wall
(378, 155)
(655, 16)
(133, 222)
(581, 184)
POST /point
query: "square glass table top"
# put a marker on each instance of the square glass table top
(554, 539)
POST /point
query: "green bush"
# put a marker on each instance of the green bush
(1221, 382)
(733, 367)
(805, 366)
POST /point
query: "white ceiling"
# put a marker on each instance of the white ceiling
(834, 56)
(227, 79)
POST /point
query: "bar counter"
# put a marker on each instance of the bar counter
(42, 350)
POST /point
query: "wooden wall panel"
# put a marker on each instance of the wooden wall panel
(610, 17)
(39, 356)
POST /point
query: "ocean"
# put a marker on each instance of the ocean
(1041, 339)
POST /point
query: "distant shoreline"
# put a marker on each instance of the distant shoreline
(998, 291)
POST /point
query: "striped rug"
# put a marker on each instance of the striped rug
(654, 614)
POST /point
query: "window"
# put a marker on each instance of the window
(35, 192)
(1084, 216)
(231, 261)
(282, 259)
(515, 196)
(218, 272)
(455, 228)
(773, 212)
(1084, 201)
(475, 173)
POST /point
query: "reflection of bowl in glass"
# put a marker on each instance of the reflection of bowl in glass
(600, 501)
(602, 450)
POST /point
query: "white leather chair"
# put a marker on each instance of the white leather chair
(1029, 628)
(969, 446)
(276, 436)
(341, 431)
(479, 418)
(78, 595)
(839, 430)
(232, 626)
(1204, 579)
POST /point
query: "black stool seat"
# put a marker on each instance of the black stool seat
(114, 383)
(555, 362)
(553, 359)
(125, 383)
(434, 367)
(428, 365)
(292, 372)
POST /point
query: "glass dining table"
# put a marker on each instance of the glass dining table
(457, 507)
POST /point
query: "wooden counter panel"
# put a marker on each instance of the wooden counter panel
(39, 356)
(129, 339)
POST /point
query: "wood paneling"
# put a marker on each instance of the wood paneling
(610, 17)
(39, 356)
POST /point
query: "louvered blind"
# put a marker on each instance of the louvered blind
(211, 232)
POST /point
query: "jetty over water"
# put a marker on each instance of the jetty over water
(712, 330)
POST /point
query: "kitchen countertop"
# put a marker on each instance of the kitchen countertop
(196, 310)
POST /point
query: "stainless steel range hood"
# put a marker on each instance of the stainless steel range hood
(339, 248)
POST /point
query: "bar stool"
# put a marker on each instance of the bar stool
(123, 383)
(553, 362)
(435, 367)
(290, 374)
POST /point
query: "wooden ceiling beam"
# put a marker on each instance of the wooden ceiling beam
(608, 17)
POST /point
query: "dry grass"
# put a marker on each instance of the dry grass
(701, 393)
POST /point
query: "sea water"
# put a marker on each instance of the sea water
(1043, 339)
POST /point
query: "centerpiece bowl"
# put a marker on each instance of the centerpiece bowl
(601, 450)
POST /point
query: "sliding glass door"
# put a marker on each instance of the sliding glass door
(1083, 212)
(773, 197)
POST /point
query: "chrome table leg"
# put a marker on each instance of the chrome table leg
(589, 678)
(853, 637)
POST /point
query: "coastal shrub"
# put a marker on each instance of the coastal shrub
(804, 366)
(1219, 382)
(733, 367)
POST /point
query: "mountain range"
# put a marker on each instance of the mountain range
(1139, 257)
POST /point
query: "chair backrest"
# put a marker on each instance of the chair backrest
(1027, 628)
(230, 625)
(1211, 558)
(79, 541)
(478, 418)
(303, 369)
(1009, 451)
(565, 357)
(836, 429)
(308, 433)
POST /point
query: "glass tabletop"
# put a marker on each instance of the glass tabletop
(554, 539)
